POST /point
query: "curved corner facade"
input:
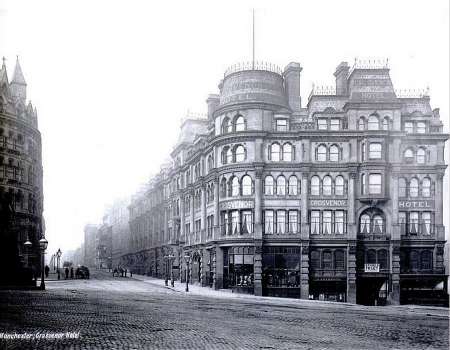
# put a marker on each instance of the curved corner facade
(21, 197)
(338, 200)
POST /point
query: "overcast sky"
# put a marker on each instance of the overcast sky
(112, 79)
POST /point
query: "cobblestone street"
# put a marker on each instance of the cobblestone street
(135, 313)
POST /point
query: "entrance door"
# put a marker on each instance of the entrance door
(371, 290)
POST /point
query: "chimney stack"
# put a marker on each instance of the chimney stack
(341, 75)
(212, 101)
(292, 82)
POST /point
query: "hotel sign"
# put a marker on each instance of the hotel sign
(328, 202)
(371, 267)
(407, 204)
(236, 205)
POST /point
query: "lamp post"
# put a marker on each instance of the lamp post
(187, 258)
(171, 258)
(166, 274)
(58, 256)
(27, 245)
(43, 245)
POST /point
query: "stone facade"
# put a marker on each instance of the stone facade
(90, 245)
(21, 196)
(338, 200)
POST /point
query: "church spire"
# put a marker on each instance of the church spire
(18, 77)
(3, 73)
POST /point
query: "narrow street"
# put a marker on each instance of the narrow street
(118, 313)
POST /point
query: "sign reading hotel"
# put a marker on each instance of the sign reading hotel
(328, 202)
(236, 205)
(408, 204)
(371, 267)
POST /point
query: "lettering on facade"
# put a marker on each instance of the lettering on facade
(236, 205)
(328, 202)
(371, 267)
(415, 204)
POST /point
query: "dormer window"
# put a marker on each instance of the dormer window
(421, 128)
(281, 125)
(334, 124)
(322, 124)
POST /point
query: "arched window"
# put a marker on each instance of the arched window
(339, 186)
(229, 156)
(321, 153)
(235, 186)
(378, 224)
(386, 123)
(287, 152)
(371, 256)
(281, 185)
(210, 162)
(293, 183)
(408, 155)
(401, 187)
(223, 188)
(315, 186)
(334, 153)
(240, 153)
(421, 156)
(275, 152)
(268, 185)
(239, 123)
(426, 187)
(414, 187)
(246, 185)
(326, 186)
(373, 123)
(362, 123)
(227, 126)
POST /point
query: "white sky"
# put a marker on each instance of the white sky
(111, 79)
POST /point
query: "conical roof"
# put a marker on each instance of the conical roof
(18, 77)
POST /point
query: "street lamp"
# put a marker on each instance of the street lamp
(43, 245)
(187, 258)
(171, 258)
(166, 273)
(27, 245)
(58, 256)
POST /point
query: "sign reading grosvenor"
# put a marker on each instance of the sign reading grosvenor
(408, 204)
(328, 202)
(236, 204)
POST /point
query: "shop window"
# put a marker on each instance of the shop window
(240, 267)
(375, 150)
(281, 267)
(268, 185)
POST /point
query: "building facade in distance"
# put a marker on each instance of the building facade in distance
(90, 245)
(338, 200)
(21, 194)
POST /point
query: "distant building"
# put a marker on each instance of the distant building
(341, 199)
(104, 245)
(90, 245)
(21, 195)
(118, 219)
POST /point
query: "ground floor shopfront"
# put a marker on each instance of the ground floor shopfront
(295, 271)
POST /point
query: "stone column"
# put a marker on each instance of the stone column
(304, 225)
(351, 222)
(257, 267)
(304, 273)
(216, 231)
(351, 273)
(203, 215)
(218, 268)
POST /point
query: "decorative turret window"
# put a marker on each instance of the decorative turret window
(239, 123)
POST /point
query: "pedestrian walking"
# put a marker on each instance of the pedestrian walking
(71, 272)
(66, 270)
(46, 270)
(131, 273)
(126, 272)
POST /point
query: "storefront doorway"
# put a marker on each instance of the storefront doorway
(372, 290)
(238, 269)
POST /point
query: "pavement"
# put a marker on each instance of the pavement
(142, 313)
